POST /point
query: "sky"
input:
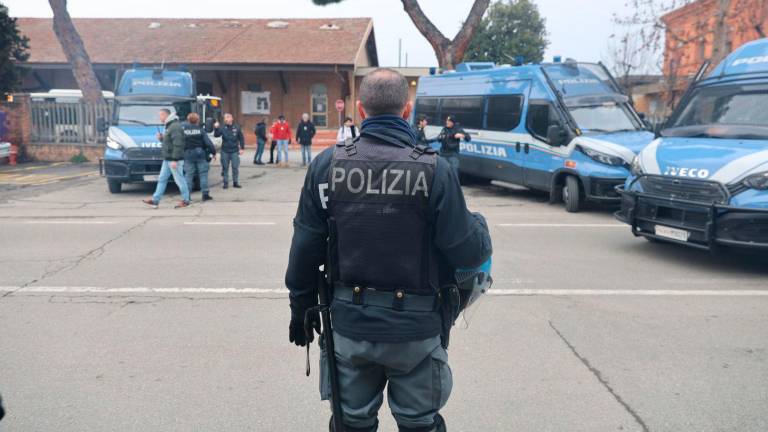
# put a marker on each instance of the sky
(579, 29)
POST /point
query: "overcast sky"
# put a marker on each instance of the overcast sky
(577, 28)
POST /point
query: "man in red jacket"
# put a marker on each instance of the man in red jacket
(281, 133)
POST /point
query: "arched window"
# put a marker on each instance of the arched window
(319, 101)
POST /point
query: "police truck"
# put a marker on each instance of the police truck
(132, 153)
(704, 181)
(561, 127)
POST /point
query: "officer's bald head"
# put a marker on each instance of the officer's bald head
(384, 91)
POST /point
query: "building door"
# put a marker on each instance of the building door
(319, 101)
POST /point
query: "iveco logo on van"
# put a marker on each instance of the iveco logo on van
(687, 172)
(750, 60)
(483, 149)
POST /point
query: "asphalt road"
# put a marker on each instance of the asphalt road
(118, 317)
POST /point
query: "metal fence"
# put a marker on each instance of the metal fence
(57, 122)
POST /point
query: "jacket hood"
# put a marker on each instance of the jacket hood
(723, 160)
(172, 118)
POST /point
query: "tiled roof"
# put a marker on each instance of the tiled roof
(199, 41)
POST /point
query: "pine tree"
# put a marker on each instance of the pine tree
(14, 49)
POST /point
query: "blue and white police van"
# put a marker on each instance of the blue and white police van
(704, 181)
(561, 127)
(133, 152)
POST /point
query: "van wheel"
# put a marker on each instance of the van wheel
(572, 194)
(115, 186)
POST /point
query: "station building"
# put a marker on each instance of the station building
(260, 67)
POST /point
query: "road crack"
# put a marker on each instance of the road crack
(599, 376)
(91, 254)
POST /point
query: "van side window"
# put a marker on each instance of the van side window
(541, 115)
(468, 110)
(428, 107)
(504, 112)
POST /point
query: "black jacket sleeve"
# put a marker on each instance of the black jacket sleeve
(209, 146)
(240, 138)
(461, 236)
(217, 132)
(310, 238)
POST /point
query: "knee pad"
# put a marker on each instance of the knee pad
(373, 428)
(437, 426)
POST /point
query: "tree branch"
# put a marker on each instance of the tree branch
(435, 37)
(468, 29)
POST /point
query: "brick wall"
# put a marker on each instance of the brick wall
(58, 152)
(18, 120)
(689, 37)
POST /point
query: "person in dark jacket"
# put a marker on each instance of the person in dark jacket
(261, 141)
(450, 139)
(388, 247)
(232, 146)
(173, 160)
(305, 131)
(198, 148)
(420, 130)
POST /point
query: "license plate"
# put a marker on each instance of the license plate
(151, 178)
(672, 233)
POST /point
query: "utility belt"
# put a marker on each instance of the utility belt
(396, 299)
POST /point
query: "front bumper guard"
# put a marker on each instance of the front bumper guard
(720, 219)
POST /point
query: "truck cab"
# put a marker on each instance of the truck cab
(704, 181)
(133, 151)
(562, 127)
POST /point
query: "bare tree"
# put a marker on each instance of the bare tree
(627, 59)
(74, 50)
(449, 52)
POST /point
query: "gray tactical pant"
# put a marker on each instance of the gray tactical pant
(228, 159)
(416, 374)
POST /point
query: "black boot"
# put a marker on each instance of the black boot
(207, 197)
(236, 185)
(225, 186)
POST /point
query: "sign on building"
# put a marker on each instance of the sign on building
(255, 102)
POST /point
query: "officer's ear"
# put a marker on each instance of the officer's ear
(407, 110)
(360, 110)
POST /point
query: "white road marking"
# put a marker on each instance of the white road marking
(231, 223)
(492, 292)
(70, 222)
(561, 225)
(627, 292)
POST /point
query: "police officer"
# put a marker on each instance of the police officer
(198, 148)
(393, 218)
(450, 139)
(232, 147)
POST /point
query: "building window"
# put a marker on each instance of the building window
(319, 101)
(254, 87)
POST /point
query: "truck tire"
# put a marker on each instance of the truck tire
(115, 186)
(572, 195)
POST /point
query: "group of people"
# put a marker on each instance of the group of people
(281, 136)
(187, 149)
(450, 139)
(187, 152)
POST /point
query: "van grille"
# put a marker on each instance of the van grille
(684, 189)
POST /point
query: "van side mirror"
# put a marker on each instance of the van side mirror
(556, 135)
(101, 124)
(209, 125)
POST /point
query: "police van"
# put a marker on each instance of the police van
(704, 181)
(561, 127)
(133, 152)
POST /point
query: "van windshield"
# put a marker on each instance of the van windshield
(607, 117)
(734, 111)
(145, 115)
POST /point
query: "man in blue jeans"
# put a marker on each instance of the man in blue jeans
(173, 160)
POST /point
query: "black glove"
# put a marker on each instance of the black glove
(297, 335)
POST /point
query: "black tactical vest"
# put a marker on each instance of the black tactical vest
(193, 136)
(379, 211)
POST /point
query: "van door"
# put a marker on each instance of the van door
(539, 158)
(497, 142)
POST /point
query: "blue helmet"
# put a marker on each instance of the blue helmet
(473, 283)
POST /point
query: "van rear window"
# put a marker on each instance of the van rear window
(468, 110)
(428, 106)
(504, 112)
